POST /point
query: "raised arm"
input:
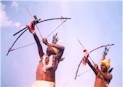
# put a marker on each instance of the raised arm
(60, 50)
(92, 67)
(59, 47)
(31, 28)
(106, 76)
(86, 55)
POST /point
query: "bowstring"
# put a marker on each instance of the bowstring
(56, 28)
(92, 61)
(35, 43)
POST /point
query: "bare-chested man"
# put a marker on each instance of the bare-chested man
(103, 76)
(45, 74)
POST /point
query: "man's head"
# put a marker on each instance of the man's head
(51, 51)
(105, 65)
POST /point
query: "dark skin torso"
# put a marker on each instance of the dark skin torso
(99, 82)
(102, 76)
(49, 75)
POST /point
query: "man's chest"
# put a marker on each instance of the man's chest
(99, 82)
(49, 62)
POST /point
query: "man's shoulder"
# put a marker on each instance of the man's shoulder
(110, 75)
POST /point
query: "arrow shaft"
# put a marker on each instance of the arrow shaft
(81, 44)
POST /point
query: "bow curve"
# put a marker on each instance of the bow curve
(25, 29)
(91, 59)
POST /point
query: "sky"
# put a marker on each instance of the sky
(93, 23)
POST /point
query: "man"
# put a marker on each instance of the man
(103, 76)
(45, 74)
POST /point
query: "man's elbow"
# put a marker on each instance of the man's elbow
(110, 77)
(63, 48)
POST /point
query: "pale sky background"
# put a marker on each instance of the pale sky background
(94, 23)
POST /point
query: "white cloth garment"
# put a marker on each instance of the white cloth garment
(50, 64)
(42, 83)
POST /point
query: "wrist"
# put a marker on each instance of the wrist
(48, 44)
(98, 70)
(33, 32)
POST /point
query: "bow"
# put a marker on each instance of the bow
(25, 29)
(90, 57)
(38, 21)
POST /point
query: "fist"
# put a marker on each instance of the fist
(31, 26)
(44, 40)
(85, 52)
(96, 66)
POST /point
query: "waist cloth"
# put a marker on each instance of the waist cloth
(42, 83)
